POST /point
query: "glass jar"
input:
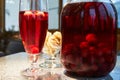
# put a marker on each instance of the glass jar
(89, 37)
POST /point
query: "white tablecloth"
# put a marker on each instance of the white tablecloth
(12, 65)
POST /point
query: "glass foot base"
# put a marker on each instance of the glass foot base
(43, 75)
(34, 75)
(50, 64)
(29, 72)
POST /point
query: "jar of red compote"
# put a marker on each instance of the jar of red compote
(89, 37)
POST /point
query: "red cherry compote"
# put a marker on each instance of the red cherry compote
(89, 38)
(33, 29)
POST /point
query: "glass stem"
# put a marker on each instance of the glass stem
(33, 58)
(53, 59)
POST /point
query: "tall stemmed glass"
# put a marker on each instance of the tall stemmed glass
(33, 24)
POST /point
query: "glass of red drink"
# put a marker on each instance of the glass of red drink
(89, 37)
(33, 25)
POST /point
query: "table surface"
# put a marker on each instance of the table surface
(12, 65)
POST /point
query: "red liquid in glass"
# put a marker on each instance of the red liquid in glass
(33, 29)
(88, 38)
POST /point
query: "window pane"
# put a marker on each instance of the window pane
(11, 15)
(53, 14)
(117, 5)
